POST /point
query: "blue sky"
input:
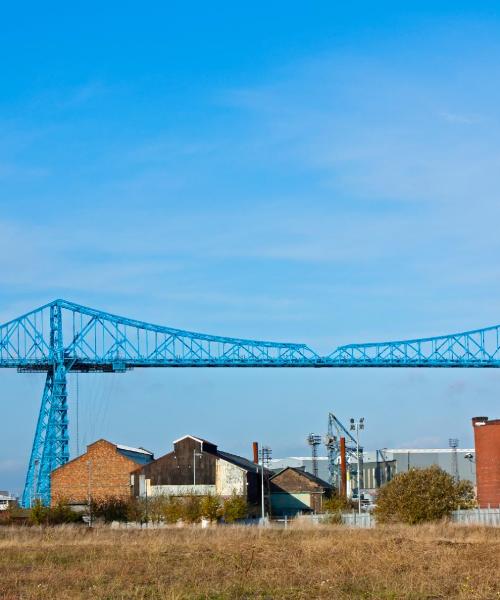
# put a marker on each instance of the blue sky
(315, 174)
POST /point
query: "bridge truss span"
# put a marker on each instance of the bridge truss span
(475, 348)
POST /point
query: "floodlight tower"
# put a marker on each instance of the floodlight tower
(314, 441)
(453, 444)
(266, 454)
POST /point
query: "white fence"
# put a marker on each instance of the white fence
(477, 516)
(363, 520)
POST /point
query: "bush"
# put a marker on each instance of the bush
(62, 513)
(135, 511)
(172, 509)
(112, 508)
(56, 515)
(421, 495)
(337, 504)
(210, 507)
(191, 509)
(234, 507)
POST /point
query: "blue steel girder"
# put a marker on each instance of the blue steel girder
(93, 340)
(476, 348)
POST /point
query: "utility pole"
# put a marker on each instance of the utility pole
(263, 508)
(146, 501)
(265, 455)
(356, 426)
(453, 443)
(89, 465)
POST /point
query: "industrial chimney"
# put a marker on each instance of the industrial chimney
(255, 446)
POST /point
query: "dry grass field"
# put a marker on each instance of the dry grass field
(439, 561)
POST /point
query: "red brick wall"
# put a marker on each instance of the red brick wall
(487, 444)
(109, 475)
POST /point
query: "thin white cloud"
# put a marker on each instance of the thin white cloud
(461, 119)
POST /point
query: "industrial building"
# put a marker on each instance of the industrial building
(296, 491)
(197, 466)
(103, 471)
(380, 466)
(6, 500)
(487, 444)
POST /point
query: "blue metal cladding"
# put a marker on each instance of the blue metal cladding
(63, 337)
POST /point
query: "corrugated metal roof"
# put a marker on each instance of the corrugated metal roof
(131, 449)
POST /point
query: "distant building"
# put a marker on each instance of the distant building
(103, 471)
(487, 443)
(296, 491)
(380, 466)
(196, 466)
(6, 500)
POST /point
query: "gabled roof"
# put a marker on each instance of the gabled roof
(303, 473)
(137, 455)
(196, 439)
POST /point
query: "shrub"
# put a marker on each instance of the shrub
(337, 504)
(39, 513)
(234, 507)
(112, 508)
(135, 511)
(191, 509)
(62, 513)
(172, 509)
(56, 515)
(420, 495)
(153, 508)
(210, 507)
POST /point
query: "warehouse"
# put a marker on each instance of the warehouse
(197, 466)
(103, 471)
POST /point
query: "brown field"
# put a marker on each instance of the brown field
(438, 561)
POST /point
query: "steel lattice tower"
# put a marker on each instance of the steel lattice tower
(314, 441)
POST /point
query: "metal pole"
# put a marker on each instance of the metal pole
(146, 507)
(194, 467)
(359, 469)
(89, 463)
(262, 506)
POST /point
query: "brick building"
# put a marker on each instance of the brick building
(102, 471)
(295, 491)
(487, 443)
(198, 466)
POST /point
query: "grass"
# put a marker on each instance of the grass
(431, 562)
